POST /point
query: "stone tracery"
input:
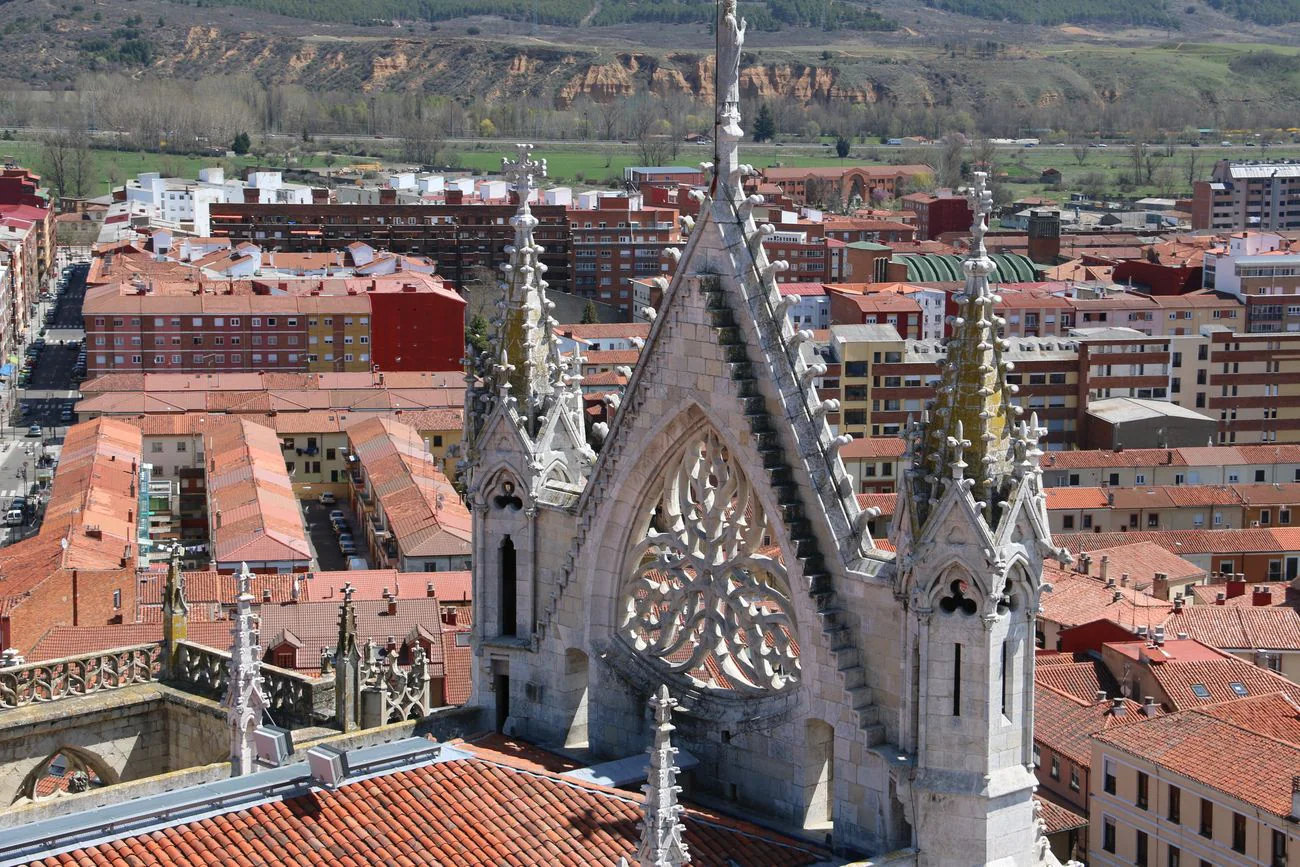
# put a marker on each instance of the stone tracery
(701, 599)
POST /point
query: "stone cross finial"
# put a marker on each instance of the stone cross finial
(521, 170)
(958, 445)
(245, 701)
(663, 841)
(730, 33)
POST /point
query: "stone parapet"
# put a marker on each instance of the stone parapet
(55, 679)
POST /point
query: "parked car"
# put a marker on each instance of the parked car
(328, 499)
(340, 525)
(34, 430)
(14, 518)
(357, 563)
(346, 537)
(337, 515)
(347, 548)
(66, 415)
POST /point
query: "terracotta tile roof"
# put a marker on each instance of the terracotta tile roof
(884, 502)
(314, 628)
(1093, 459)
(602, 331)
(1076, 498)
(457, 660)
(1058, 815)
(420, 506)
(487, 812)
(1066, 724)
(254, 514)
(61, 641)
(1076, 599)
(1269, 495)
(874, 447)
(613, 356)
(1279, 594)
(1082, 680)
(1141, 561)
(1273, 715)
(1186, 541)
(1180, 665)
(1233, 760)
(1238, 628)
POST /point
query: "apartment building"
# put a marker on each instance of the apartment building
(1208, 786)
(895, 308)
(937, 213)
(1114, 509)
(616, 242)
(458, 238)
(401, 321)
(811, 255)
(1248, 195)
(817, 185)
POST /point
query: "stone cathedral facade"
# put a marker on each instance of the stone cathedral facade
(709, 540)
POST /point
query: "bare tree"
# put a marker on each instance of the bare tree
(421, 141)
(1192, 167)
(1080, 152)
(1137, 153)
(953, 148)
(67, 161)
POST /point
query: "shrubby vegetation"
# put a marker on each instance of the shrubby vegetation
(772, 16)
(1260, 11)
(1150, 13)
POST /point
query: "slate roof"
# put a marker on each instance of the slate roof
(459, 813)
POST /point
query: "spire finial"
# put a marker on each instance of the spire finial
(176, 611)
(663, 841)
(520, 172)
(244, 699)
(727, 133)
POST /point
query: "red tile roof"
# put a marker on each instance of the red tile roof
(1066, 724)
(61, 641)
(1273, 715)
(1082, 680)
(462, 812)
(1058, 815)
(1226, 627)
(1076, 498)
(254, 514)
(1180, 665)
(874, 447)
(1240, 763)
(1141, 561)
(1076, 599)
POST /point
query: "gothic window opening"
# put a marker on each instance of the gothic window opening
(703, 598)
(575, 697)
(956, 680)
(1006, 683)
(508, 498)
(957, 600)
(67, 771)
(509, 588)
(819, 775)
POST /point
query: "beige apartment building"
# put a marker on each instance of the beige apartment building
(1197, 788)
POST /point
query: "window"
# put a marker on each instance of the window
(156, 447)
(1175, 804)
(1279, 849)
(1175, 857)
(1199, 690)
(180, 446)
(234, 321)
(257, 322)
(1038, 759)
(1108, 834)
(1143, 848)
(1259, 475)
(1114, 479)
(1142, 783)
(1108, 776)
(1056, 768)
(1140, 478)
(1238, 832)
(1074, 777)
(1067, 522)
(1207, 817)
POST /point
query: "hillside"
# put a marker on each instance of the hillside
(761, 14)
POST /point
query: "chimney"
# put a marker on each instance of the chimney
(266, 595)
(1110, 582)
(1182, 636)
(1178, 603)
(1236, 587)
(428, 590)
(1116, 596)
(1104, 567)
(1263, 595)
(1117, 707)
(1160, 586)
(1220, 598)
(1085, 563)
(1123, 579)
(392, 604)
(1101, 695)
(1149, 706)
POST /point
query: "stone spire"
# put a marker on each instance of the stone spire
(967, 437)
(525, 363)
(663, 841)
(176, 612)
(245, 702)
(347, 666)
(727, 133)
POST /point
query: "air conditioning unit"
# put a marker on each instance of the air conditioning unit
(274, 745)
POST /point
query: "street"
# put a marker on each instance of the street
(52, 387)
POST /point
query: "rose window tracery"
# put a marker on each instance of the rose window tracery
(701, 598)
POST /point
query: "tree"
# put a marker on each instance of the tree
(486, 128)
(589, 314)
(764, 125)
(476, 333)
(66, 160)
(952, 148)
(1093, 185)
(1080, 152)
(421, 141)
(242, 144)
(842, 147)
(1192, 167)
(1137, 154)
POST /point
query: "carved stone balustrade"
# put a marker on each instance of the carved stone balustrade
(294, 698)
(70, 676)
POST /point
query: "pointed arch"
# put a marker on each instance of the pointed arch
(701, 598)
(66, 770)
